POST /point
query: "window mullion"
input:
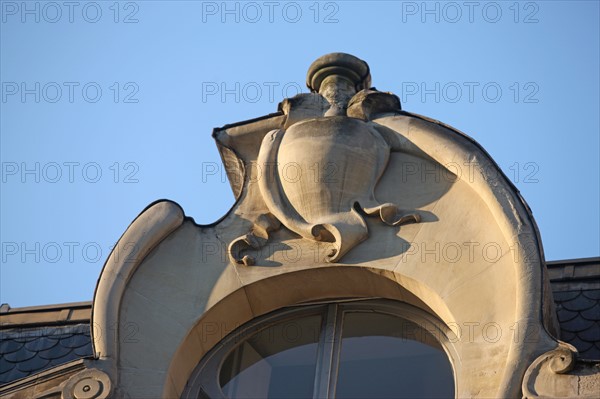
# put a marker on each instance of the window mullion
(325, 354)
(335, 355)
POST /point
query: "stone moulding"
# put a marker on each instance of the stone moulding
(255, 239)
(153, 225)
(74, 380)
(343, 120)
(88, 384)
(516, 223)
(558, 374)
(46, 384)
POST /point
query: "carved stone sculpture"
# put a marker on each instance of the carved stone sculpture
(330, 165)
(320, 172)
(560, 374)
(88, 384)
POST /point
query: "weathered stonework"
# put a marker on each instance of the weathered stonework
(454, 239)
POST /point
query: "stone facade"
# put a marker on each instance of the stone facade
(328, 208)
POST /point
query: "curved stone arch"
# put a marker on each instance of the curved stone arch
(446, 146)
(352, 283)
(146, 231)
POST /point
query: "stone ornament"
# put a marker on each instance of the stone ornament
(558, 374)
(187, 286)
(88, 384)
(346, 155)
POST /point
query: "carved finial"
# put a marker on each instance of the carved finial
(338, 77)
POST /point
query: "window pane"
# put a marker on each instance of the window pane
(277, 362)
(384, 356)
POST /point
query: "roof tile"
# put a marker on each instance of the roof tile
(565, 315)
(32, 365)
(562, 296)
(592, 294)
(20, 356)
(41, 344)
(9, 346)
(76, 341)
(56, 352)
(592, 313)
(591, 334)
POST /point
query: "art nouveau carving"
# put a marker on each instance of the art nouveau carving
(255, 239)
(330, 165)
(558, 374)
(319, 174)
(88, 384)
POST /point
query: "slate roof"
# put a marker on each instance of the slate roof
(576, 291)
(578, 314)
(30, 350)
(39, 338)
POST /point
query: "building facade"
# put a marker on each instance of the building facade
(370, 253)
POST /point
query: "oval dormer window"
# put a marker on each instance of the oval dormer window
(359, 349)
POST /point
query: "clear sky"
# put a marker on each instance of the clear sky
(107, 107)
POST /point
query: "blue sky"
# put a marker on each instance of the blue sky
(109, 106)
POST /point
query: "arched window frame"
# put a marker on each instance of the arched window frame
(204, 381)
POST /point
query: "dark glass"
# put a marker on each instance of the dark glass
(276, 362)
(384, 356)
